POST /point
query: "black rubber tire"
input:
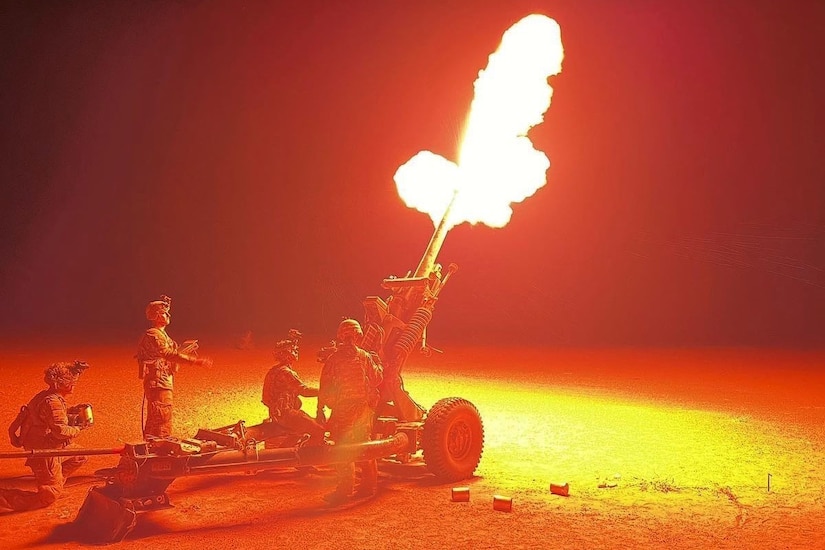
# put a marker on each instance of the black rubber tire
(453, 439)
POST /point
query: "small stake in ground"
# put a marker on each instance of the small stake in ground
(769, 482)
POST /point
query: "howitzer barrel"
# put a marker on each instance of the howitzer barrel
(436, 241)
(61, 452)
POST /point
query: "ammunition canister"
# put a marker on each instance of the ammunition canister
(461, 494)
(502, 504)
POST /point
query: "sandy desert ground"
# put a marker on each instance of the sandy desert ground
(661, 448)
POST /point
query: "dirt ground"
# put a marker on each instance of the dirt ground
(661, 448)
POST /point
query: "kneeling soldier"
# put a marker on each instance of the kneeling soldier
(44, 424)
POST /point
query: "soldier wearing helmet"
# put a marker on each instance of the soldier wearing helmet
(159, 358)
(349, 381)
(44, 424)
(283, 388)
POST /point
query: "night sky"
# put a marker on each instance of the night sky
(239, 156)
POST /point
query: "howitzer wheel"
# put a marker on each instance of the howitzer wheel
(453, 439)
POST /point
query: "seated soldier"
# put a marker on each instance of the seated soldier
(283, 388)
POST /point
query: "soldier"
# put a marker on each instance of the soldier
(283, 388)
(44, 424)
(349, 382)
(158, 359)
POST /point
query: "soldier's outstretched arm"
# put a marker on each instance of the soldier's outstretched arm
(301, 388)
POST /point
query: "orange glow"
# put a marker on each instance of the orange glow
(498, 164)
(633, 439)
(659, 448)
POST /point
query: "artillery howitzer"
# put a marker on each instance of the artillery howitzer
(450, 436)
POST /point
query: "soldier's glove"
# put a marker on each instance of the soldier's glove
(14, 439)
(83, 424)
(189, 347)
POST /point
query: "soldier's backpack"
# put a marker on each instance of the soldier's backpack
(17, 424)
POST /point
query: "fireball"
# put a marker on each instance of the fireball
(497, 164)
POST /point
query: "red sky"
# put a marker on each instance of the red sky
(239, 156)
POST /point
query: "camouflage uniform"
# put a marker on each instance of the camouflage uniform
(158, 360)
(282, 388)
(349, 382)
(157, 354)
(45, 426)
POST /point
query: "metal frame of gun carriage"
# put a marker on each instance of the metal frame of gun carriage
(448, 439)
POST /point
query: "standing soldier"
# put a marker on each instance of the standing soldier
(349, 381)
(158, 359)
(283, 388)
(44, 424)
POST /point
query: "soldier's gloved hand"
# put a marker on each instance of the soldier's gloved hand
(14, 439)
(79, 423)
(204, 362)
